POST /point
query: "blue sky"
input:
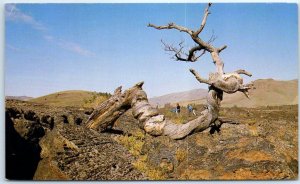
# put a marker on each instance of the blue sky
(98, 47)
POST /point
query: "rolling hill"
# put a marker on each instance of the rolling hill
(267, 92)
(75, 98)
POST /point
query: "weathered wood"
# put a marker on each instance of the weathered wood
(156, 124)
(206, 13)
(110, 110)
(218, 82)
(152, 122)
(201, 45)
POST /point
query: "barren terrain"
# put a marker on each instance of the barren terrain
(46, 142)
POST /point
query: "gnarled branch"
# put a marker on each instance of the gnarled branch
(191, 57)
(243, 72)
(200, 79)
(172, 26)
(201, 45)
(206, 13)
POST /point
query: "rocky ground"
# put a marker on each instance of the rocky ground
(50, 143)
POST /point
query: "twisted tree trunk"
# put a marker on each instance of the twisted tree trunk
(149, 118)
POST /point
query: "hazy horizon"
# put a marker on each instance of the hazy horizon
(98, 47)
(125, 89)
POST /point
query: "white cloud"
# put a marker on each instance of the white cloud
(48, 38)
(12, 47)
(12, 13)
(68, 45)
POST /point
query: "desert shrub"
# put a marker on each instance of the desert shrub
(156, 174)
(181, 155)
(253, 131)
(250, 121)
(153, 173)
(222, 113)
(139, 134)
(141, 163)
(132, 143)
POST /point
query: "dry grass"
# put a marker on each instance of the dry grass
(181, 118)
(151, 172)
(181, 155)
(253, 131)
(132, 143)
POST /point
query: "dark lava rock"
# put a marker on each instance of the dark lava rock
(77, 153)
(238, 152)
(51, 143)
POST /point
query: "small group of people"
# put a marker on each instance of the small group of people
(190, 109)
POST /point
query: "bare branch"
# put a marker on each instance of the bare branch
(191, 56)
(222, 48)
(200, 79)
(172, 26)
(245, 89)
(178, 52)
(206, 13)
(171, 48)
(203, 52)
(243, 72)
(202, 45)
(212, 38)
(246, 93)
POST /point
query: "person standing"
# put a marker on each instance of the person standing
(178, 108)
(190, 109)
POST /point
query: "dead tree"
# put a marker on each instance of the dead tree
(149, 118)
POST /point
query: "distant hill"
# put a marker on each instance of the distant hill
(195, 94)
(267, 92)
(77, 98)
(22, 98)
